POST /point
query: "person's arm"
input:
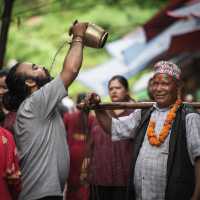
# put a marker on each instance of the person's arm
(193, 145)
(120, 128)
(196, 194)
(73, 59)
(47, 98)
(102, 116)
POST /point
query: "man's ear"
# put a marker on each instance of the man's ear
(30, 83)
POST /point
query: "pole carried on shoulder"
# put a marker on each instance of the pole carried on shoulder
(127, 105)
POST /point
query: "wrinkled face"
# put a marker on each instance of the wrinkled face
(117, 92)
(164, 90)
(3, 86)
(35, 72)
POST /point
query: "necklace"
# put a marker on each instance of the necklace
(158, 140)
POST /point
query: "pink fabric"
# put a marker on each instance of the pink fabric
(110, 165)
(77, 149)
(10, 183)
(9, 121)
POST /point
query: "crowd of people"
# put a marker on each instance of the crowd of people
(49, 153)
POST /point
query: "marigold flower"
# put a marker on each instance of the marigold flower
(150, 134)
(152, 137)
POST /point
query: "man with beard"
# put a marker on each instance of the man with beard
(166, 156)
(39, 130)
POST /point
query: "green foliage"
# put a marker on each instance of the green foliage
(40, 27)
(1, 7)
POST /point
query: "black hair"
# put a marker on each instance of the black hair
(4, 72)
(121, 79)
(17, 89)
(80, 97)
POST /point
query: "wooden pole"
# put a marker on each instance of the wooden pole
(128, 105)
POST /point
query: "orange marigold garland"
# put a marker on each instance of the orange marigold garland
(158, 140)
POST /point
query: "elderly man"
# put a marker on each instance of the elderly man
(166, 160)
(39, 129)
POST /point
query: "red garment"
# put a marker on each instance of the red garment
(82, 193)
(10, 183)
(9, 121)
(111, 160)
(77, 148)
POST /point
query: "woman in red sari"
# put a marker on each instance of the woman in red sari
(77, 126)
(10, 183)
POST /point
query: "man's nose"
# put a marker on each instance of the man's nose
(159, 87)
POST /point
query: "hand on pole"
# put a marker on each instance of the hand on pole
(91, 100)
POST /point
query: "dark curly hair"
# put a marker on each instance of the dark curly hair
(17, 89)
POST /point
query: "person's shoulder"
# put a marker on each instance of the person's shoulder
(25, 105)
(191, 115)
(145, 111)
(55, 81)
(188, 109)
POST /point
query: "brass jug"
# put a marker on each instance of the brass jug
(95, 36)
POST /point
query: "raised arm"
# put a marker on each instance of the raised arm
(122, 128)
(74, 57)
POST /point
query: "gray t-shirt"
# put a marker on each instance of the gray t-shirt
(41, 141)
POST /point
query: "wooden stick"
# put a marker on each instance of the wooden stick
(128, 105)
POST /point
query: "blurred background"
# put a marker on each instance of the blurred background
(140, 33)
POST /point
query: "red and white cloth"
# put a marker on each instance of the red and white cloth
(166, 67)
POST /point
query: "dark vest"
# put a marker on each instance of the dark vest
(180, 172)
